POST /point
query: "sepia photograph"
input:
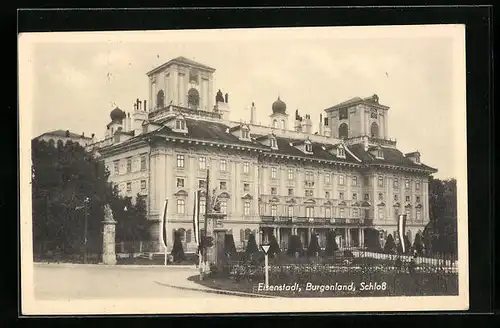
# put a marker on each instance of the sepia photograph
(243, 170)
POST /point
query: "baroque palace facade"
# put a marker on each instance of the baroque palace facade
(272, 179)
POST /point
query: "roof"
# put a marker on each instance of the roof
(372, 100)
(392, 156)
(62, 133)
(183, 61)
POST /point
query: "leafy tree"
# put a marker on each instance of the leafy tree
(313, 248)
(132, 223)
(229, 246)
(418, 244)
(390, 245)
(294, 245)
(372, 242)
(251, 246)
(331, 244)
(177, 249)
(274, 248)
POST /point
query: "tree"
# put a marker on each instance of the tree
(294, 245)
(390, 245)
(251, 246)
(229, 246)
(418, 244)
(274, 248)
(331, 244)
(313, 248)
(372, 242)
(69, 186)
(177, 249)
(407, 246)
(132, 223)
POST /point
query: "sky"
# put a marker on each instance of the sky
(78, 78)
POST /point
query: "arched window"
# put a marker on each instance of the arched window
(182, 234)
(343, 131)
(160, 99)
(283, 124)
(193, 98)
(290, 210)
(248, 232)
(374, 130)
(275, 124)
(188, 236)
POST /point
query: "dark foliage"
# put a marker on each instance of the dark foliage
(177, 249)
(274, 248)
(295, 245)
(390, 245)
(251, 246)
(313, 248)
(331, 244)
(418, 244)
(229, 246)
(372, 242)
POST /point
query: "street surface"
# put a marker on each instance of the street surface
(67, 282)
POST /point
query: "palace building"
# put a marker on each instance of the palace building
(273, 179)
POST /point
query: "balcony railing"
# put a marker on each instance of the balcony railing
(315, 220)
(178, 109)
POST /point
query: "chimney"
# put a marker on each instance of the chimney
(321, 130)
(252, 114)
(226, 98)
(67, 133)
(138, 104)
(145, 108)
(298, 120)
(83, 134)
(306, 124)
(135, 106)
(365, 143)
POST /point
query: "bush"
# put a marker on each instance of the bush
(229, 246)
(331, 244)
(294, 246)
(313, 248)
(390, 245)
(274, 248)
(251, 246)
(418, 244)
(177, 250)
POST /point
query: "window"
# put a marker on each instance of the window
(193, 98)
(283, 124)
(273, 143)
(193, 77)
(327, 178)
(129, 186)
(374, 130)
(380, 196)
(355, 212)
(246, 187)
(275, 124)
(223, 206)
(290, 192)
(407, 198)
(180, 124)
(381, 213)
(309, 193)
(143, 163)
(380, 154)
(343, 131)
(245, 134)
(328, 212)
(341, 212)
(290, 210)
(202, 184)
(203, 204)
(223, 185)
(366, 181)
(417, 185)
(247, 208)
(396, 198)
(408, 214)
(274, 210)
(273, 191)
(273, 172)
(223, 165)
(246, 167)
(380, 181)
(180, 161)
(188, 236)
(129, 165)
(160, 99)
(418, 215)
(116, 168)
(309, 211)
(327, 194)
(341, 180)
(290, 174)
(309, 176)
(395, 184)
(202, 161)
(354, 181)
(407, 184)
(309, 148)
(417, 199)
(340, 152)
(143, 184)
(367, 197)
(181, 203)
(341, 195)
(180, 183)
(343, 113)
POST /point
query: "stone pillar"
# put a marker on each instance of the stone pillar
(108, 237)
(361, 237)
(348, 237)
(278, 237)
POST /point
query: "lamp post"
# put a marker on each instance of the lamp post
(85, 202)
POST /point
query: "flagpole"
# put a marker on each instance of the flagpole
(205, 223)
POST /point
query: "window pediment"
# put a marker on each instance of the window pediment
(310, 201)
(397, 204)
(247, 196)
(181, 193)
(366, 204)
(342, 203)
(274, 200)
(291, 201)
(381, 204)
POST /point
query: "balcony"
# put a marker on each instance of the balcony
(315, 221)
(158, 113)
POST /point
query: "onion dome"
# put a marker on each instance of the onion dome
(117, 114)
(279, 107)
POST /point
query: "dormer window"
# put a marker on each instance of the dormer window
(245, 134)
(309, 148)
(273, 143)
(341, 152)
(379, 154)
(180, 124)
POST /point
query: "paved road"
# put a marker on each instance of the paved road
(54, 281)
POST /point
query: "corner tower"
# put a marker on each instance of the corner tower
(181, 82)
(358, 117)
(279, 117)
